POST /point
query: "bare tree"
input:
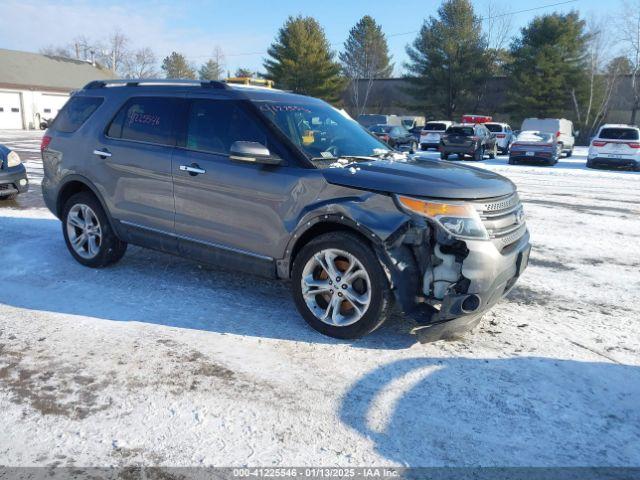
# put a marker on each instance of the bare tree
(629, 31)
(600, 79)
(115, 55)
(141, 64)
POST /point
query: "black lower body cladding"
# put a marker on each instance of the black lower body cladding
(13, 181)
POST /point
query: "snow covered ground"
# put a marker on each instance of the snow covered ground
(158, 361)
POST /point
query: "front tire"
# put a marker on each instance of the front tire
(339, 286)
(88, 233)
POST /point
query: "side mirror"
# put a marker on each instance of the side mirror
(252, 152)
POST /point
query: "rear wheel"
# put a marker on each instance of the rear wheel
(570, 152)
(339, 286)
(88, 233)
(478, 155)
(494, 152)
(413, 148)
(444, 156)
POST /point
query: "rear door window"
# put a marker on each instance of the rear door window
(146, 119)
(619, 134)
(463, 131)
(214, 125)
(76, 111)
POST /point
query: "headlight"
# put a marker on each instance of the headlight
(13, 159)
(458, 219)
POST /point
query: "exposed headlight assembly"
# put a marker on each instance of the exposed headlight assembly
(13, 159)
(459, 219)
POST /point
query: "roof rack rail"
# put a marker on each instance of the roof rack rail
(156, 81)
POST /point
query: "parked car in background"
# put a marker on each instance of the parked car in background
(397, 137)
(431, 133)
(560, 127)
(186, 167)
(615, 146)
(411, 122)
(13, 175)
(503, 133)
(369, 120)
(466, 139)
(535, 147)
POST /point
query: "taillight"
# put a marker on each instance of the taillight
(500, 135)
(44, 143)
(598, 143)
(558, 134)
(634, 144)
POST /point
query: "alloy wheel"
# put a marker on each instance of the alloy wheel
(336, 287)
(84, 231)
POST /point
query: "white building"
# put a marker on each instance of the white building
(34, 87)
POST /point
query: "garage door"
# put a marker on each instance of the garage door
(10, 110)
(51, 104)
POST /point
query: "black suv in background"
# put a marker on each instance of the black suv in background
(285, 186)
(473, 140)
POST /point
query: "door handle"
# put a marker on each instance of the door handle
(193, 169)
(102, 153)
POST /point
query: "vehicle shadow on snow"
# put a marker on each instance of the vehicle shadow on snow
(157, 288)
(524, 411)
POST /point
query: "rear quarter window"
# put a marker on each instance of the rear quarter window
(75, 113)
(619, 134)
(145, 119)
(492, 127)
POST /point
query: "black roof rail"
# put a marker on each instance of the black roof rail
(156, 81)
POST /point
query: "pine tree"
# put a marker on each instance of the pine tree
(211, 71)
(548, 72)
(302, 61)
(449, 62)
(243, 72)
(176, 66)
(365, 58)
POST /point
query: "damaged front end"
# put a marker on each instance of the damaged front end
(453, 261)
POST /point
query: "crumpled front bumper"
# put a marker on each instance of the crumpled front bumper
(491, 275)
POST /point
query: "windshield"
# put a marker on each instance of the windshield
(380, 129)
(321, 131)
(369, 119)
(535, 137)
(435, 127)
(493, 127)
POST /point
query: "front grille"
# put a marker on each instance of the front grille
(504, 220)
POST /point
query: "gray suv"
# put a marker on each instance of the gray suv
(271, 183)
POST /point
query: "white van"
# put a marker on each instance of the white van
(560, 127)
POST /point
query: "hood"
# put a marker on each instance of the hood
(422, 177)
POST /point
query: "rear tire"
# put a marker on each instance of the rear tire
(590, 165)
(512, 162)
(83, 215)
(570, 152)
(478, 155)
(341, 252)
(444, 156)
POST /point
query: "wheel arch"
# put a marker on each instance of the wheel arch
(319, 226)
(76, 184)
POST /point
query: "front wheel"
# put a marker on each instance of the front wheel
(88, 233)
(339, 286)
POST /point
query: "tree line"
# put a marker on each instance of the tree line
(558, 64)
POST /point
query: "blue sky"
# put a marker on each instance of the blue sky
(242, 28)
